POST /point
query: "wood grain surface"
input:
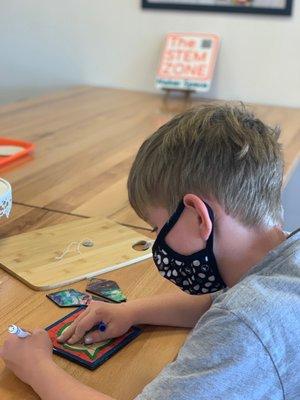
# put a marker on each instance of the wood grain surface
(86, 138)
(53, 256)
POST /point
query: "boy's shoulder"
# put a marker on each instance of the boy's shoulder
(275, 280)
(267, 302)
(267, 299)
(278, 272)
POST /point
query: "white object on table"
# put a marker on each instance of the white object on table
(16, 330)
(5, 198)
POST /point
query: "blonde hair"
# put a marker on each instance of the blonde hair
(219, 151)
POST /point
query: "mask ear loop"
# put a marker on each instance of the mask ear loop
(175, 217)
(210, 240)
(172, 220)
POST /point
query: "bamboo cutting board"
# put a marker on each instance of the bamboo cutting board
(32, 257)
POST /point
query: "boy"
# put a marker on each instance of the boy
(209, 181)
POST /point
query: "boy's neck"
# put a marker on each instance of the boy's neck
(238, 249)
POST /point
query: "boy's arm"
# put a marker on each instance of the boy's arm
(31, 360)
(53, 383)
(178, 309)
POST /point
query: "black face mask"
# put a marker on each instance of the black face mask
(195, 274)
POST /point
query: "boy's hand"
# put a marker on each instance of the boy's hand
(117, 317)
(23, 356)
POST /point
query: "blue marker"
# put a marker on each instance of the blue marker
(102, 326)
(16, 330)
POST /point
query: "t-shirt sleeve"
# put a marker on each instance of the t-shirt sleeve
(221, 359)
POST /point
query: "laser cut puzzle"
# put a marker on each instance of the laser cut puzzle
(89, 356)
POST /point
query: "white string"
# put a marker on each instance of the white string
(68, 248)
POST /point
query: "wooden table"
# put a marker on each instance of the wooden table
(86, 139)
(125, 375)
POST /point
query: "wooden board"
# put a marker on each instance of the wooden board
(31, 256)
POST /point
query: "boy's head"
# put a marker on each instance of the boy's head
(216, 151)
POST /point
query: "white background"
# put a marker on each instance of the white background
(45, 45)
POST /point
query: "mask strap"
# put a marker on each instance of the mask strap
(210, 240)
(175, 217)
(172, 220)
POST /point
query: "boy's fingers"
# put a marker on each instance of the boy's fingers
(71, 329)
(68, 332)
(82, 327)
(94, 337)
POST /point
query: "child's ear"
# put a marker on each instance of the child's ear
(195, 203)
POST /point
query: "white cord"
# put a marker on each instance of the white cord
(77, 244)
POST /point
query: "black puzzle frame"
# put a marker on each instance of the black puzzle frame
(287, 10)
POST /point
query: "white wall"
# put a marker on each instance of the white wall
(47, 44)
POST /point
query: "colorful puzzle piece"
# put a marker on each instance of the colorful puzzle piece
(70, 298)
(90, 356)
(106, 289)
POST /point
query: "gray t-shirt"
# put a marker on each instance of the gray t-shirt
(247, 345)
